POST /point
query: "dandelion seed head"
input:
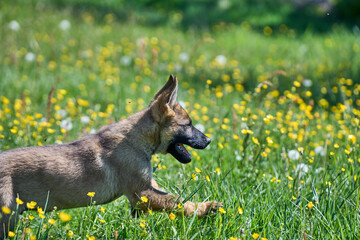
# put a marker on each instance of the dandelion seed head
(294, 154)
(14, 26)
(65, 25)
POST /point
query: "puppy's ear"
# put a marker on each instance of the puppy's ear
(165, 100)
(169, 91)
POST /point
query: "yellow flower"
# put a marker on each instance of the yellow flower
(172, 216)
(102, 221)
(246, 131)
(50, 130)
(269, 141)
(310, 205)
(90, 237)
(218, 171)
(64, 216)
(221, 210)
(264, 154)
(51, 221)
(5, 210)
(297, 84)
(180, 206)
(290, 178)
(31, 205)
(18, 201)
(144, 199)
(255, 235)
(91, 194)
(336, 146)
(70, 234)
(240, 210)
(41, 212)
(11, 234)
(343, 169)
(301, 150)
(263, 238)
(31, 217)
(150, 212)
(352, 138)
(255, 140)
(233, 238)
(194, 177)
(102, 209)
(207, 178)
(197, 170)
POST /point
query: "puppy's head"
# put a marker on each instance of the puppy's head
(176, 127)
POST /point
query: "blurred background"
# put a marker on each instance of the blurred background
(244, 42)
(302, 15)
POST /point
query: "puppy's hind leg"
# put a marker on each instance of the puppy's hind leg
(7, 206)
(7, 221)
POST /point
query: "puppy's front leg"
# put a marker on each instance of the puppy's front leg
(158, 201)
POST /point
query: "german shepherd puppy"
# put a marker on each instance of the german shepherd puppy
(113, 162)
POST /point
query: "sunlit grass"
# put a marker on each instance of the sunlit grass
(282, 112)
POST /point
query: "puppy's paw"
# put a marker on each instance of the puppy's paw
(209, 207)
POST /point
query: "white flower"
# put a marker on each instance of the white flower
(294, 154)
(307, 83)
(125, 60)
(66, 124)
(200, 127)
(64, 25)
(224, 4)
(184, 57)
(302, 167)
(85, 119)
(221, 60)
(92, 131)
(30, 57)
(14, 25)
(320, 150)
(61, 112)
(237, 156)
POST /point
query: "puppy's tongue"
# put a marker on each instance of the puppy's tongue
(182, 149)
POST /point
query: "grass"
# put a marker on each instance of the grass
(284, 158)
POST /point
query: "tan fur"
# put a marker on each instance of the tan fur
(113, 162)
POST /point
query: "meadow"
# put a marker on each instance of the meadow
(281, 108)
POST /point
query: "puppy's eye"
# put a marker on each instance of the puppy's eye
(187, 124)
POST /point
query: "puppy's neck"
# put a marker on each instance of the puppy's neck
(138, 131)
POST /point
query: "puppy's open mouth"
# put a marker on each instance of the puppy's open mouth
(179, 152)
